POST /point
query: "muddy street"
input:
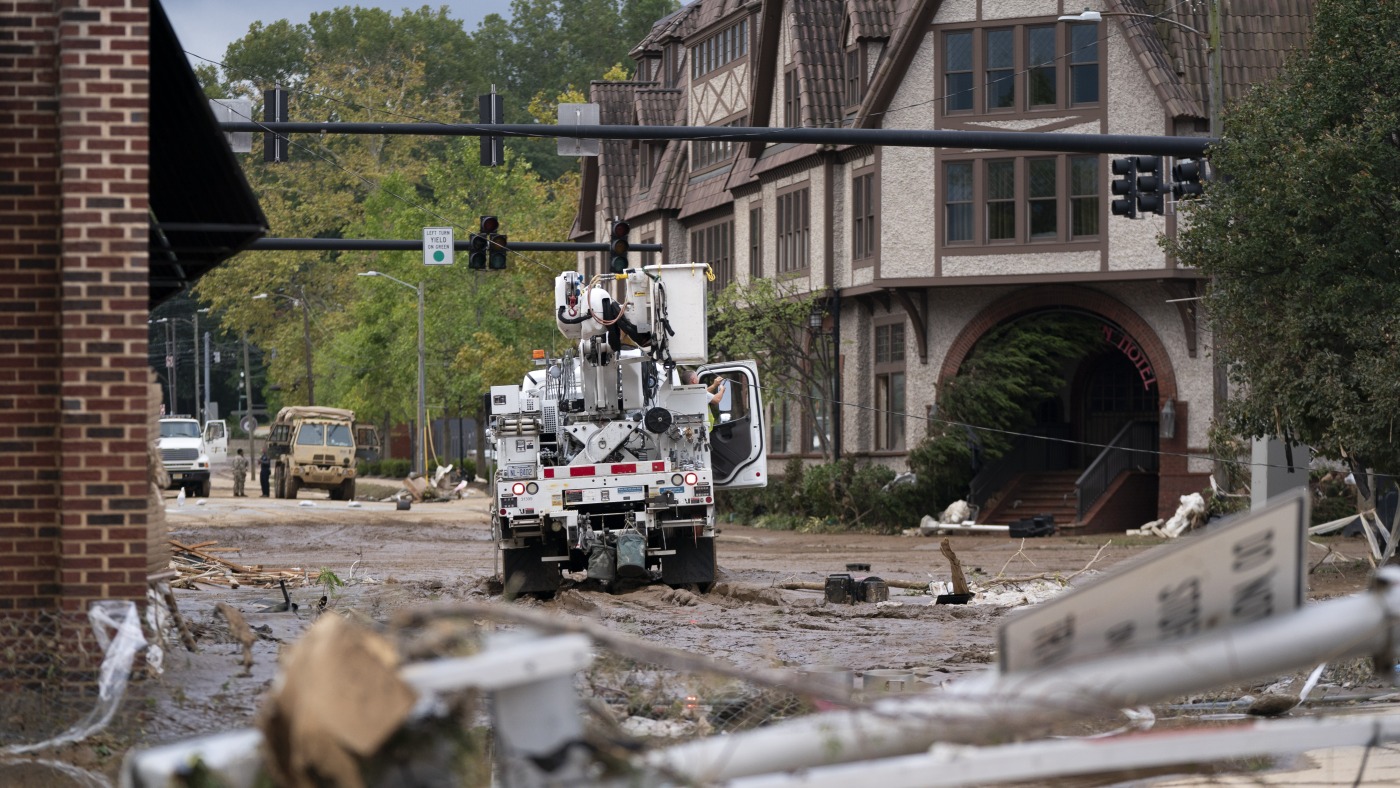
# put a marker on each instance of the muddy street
(368, 560)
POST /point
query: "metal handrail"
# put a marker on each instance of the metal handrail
(1134, 447)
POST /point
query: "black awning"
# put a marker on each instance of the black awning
(202, 209)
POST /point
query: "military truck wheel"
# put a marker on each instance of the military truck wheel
(279, 481)
(293, 486)
(347, 490)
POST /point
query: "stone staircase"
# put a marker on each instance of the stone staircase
(1048, 492)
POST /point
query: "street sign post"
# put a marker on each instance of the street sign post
(1245, 569)
(437, 246)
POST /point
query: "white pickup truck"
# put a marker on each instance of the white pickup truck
(187, 452)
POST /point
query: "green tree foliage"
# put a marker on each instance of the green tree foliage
(1301, 241)
(360, 65)
(768, 323)
(1013, 368)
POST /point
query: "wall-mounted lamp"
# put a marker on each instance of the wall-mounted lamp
(817, 317)
(1166, 423)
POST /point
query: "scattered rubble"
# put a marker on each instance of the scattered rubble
(199, 568)
(1189, 515)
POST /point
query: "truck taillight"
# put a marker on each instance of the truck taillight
(692, 478)
(518, 488)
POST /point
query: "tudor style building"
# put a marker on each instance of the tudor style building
(920, 252)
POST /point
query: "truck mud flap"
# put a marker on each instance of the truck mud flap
(694, 562)
(524, 571)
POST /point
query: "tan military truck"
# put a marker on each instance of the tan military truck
(317, 447)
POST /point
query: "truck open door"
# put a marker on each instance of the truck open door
(738, 446)
(367, 446)
(216, 441)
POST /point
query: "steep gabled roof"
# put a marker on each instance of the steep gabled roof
(662, 107)
(666, 28)
(615, 108)
(870, 19)
(1256, 38)
(817, 52)
(911, 21)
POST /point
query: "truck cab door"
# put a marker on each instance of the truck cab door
(366, 443)
(216, 441)
(738, 448)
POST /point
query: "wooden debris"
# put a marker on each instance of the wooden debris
(198, 567)
(959, 582)
(240, 629)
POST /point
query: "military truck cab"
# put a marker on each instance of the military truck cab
(313, 447)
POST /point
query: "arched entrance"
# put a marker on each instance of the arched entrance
(1114, 390)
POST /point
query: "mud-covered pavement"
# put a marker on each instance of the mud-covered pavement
(442, 552)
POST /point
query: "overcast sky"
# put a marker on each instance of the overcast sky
(207, 27)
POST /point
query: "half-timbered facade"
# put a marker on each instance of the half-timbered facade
(920, 252)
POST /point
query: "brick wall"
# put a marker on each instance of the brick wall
(73, 311)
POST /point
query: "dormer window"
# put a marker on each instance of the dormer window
(719, 49)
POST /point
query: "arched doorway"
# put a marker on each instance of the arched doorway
(1107, 393)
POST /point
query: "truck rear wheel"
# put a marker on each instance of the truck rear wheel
(204, 488)
(293, 486)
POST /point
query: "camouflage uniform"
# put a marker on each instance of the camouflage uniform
(240, 470)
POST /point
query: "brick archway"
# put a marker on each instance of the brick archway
(1050, 296)
(1174, 479)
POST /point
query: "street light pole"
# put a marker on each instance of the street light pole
(420, 456)
(305, 335)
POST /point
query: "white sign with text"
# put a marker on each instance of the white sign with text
(1247, 568)
(437, 246)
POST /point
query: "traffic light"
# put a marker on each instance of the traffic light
(1125, 187)
(476, 257)
(481, 248)
(1187, 176)
(1149, 185)
(619, 246)
(498, 251)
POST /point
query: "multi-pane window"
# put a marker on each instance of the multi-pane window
(863, 216)
(957, 201)
(756, 241)
(1084, 196)
(1009, 200)
(889, 387)
(1001, 200)
(957, 71)
(792, 101)
(794, 230)
(714, 245)
(1018, 68)
(779, 426)
(720, 49)
(1041, 85)
(1001, 69)
(707, 153)
(1041, 205)
(855, 76)
(1083, 64)
(819, 432)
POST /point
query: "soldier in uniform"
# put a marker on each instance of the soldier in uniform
(240, 472)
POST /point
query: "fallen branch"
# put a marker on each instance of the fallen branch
(798, 585)
(1053, 576)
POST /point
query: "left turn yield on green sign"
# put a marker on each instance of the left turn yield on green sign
(437, 246)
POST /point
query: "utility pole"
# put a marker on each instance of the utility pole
(247, 392)
(198, 401)
(207, 356)
(306, 337)
(422, 395)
